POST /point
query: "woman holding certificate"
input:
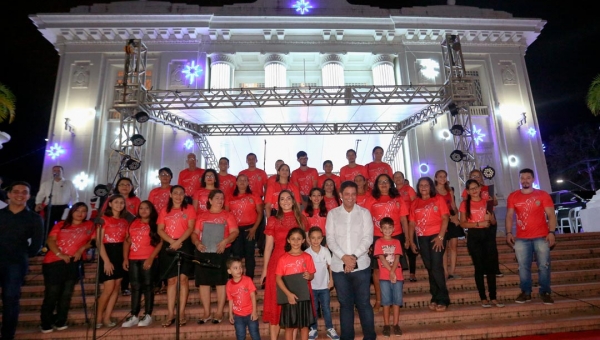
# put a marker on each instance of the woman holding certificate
(215, 230)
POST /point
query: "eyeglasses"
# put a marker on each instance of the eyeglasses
(164, 175)
(383, 182)
(209, 176)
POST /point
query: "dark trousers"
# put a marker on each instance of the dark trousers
(11, 279)
(56, 296)
(479, 244)
(353, 290)
(494, 247)
(434, 263)
(141, 283)
(244, 248)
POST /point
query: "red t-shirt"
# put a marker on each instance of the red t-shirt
(223, 217)
(131, 204)
(305, 179)
(176, 221)
(201, 195)
(348, 174)
(139, 234)
(293, 264)
(375, 169)
(190, 180)
(362, 200)
(408, 194)
(323, 178)
(530, 210)
(274, 189)
(388, 248)
(70, 239)
(331, 202)
(478, 210)
(257, 179)
(160, 197)
(115, 229)
(485, 193)
(239, 294)
(448, 198)
(243, 207)
(386, 206)
(427, 215)
(272, 179)
(315, 221)
(227, 184)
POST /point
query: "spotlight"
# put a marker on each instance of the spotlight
(457, 130)
(457, 156)
(141, 117)
(456, 46)
(101, 190)
(133, 164)
(423, 168)
(453, 109)
(137, 140)
(513, 160)
(488, 172)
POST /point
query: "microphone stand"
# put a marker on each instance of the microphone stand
(49, 211)
(99, 227)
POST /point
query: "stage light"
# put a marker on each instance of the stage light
(457, 156)
(133, 164)
(513, 160)
(445, 134)
(101, 190)
(454, 42)
(423, 168)
(141, 117)
(453, 109)
(457, 130)
(137, 140)
(488, 172)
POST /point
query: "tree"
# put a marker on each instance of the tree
(7, 104)
(593, 96)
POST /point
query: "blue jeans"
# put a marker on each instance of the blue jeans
(434, 263)
(391, 293)
(241, 323)
(322, 300)
(524, 248)
(354, 289)
(12, 276)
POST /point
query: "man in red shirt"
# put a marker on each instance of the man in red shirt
(257, 181)
(350, 171)
(226, 180)
(533, 234)
(304, 178)
(189, 178)
(328, 168)
(377, 167)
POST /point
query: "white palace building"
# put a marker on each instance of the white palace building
(275, 77)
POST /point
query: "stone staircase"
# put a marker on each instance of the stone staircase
(575, 284)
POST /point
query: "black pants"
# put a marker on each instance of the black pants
(480, 244)
(141, 283)
(59, 281)
(434, 262)
(494, 247)
(244, 248)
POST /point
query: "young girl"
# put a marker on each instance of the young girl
(111, 258)
(141, 247)
(322, 282)
(316, 213)
(331, 198)
(295, 314)
(454, 231)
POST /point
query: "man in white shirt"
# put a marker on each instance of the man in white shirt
(349, 236)
(63, 192)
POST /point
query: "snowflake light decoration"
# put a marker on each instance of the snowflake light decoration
(191, 72)
(430, 69)
(55, 151)
(531, 132)
(81, 181)
(188, 144)
(477, 135)
(302, 6)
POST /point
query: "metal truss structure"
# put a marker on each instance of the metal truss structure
(462, 94)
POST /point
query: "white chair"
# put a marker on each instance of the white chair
(564, 222)
(575, 219)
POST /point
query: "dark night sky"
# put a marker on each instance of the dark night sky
(561, 64)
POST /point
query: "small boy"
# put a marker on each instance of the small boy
(388, 251)
(321, 283)
(241, 294)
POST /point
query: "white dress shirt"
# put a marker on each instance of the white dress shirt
(349, 233)
(64, 192)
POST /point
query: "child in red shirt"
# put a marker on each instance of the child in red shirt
(241, 294)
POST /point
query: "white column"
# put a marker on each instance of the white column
(221, 71)
(332, 70)
(383, 70)
(275, 71)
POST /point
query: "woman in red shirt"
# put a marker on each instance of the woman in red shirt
(408, 195)
(141, 247)
(208, 183)
(282, 182)
(362, 194)
(125, 188)
(248, 210)
(331, 198)
(316, 212)
(160, 196)
(475, 216)
(67, 241)
(175, 225)
(442, 187)
(218, 254)
(111, 258)
(428, 219)
(288, 217)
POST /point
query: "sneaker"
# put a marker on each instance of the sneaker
(332, 334)
(499, 274)
(312, 334)
(145, 321)
(547, 299)
(522, 298)
(131, 321)
(386, 331)
(46, 330)
(126, 292)
(397, 330)
(61, 328)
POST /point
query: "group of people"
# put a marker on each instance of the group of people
(365, 226)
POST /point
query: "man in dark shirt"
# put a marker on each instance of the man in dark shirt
(21, 234)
